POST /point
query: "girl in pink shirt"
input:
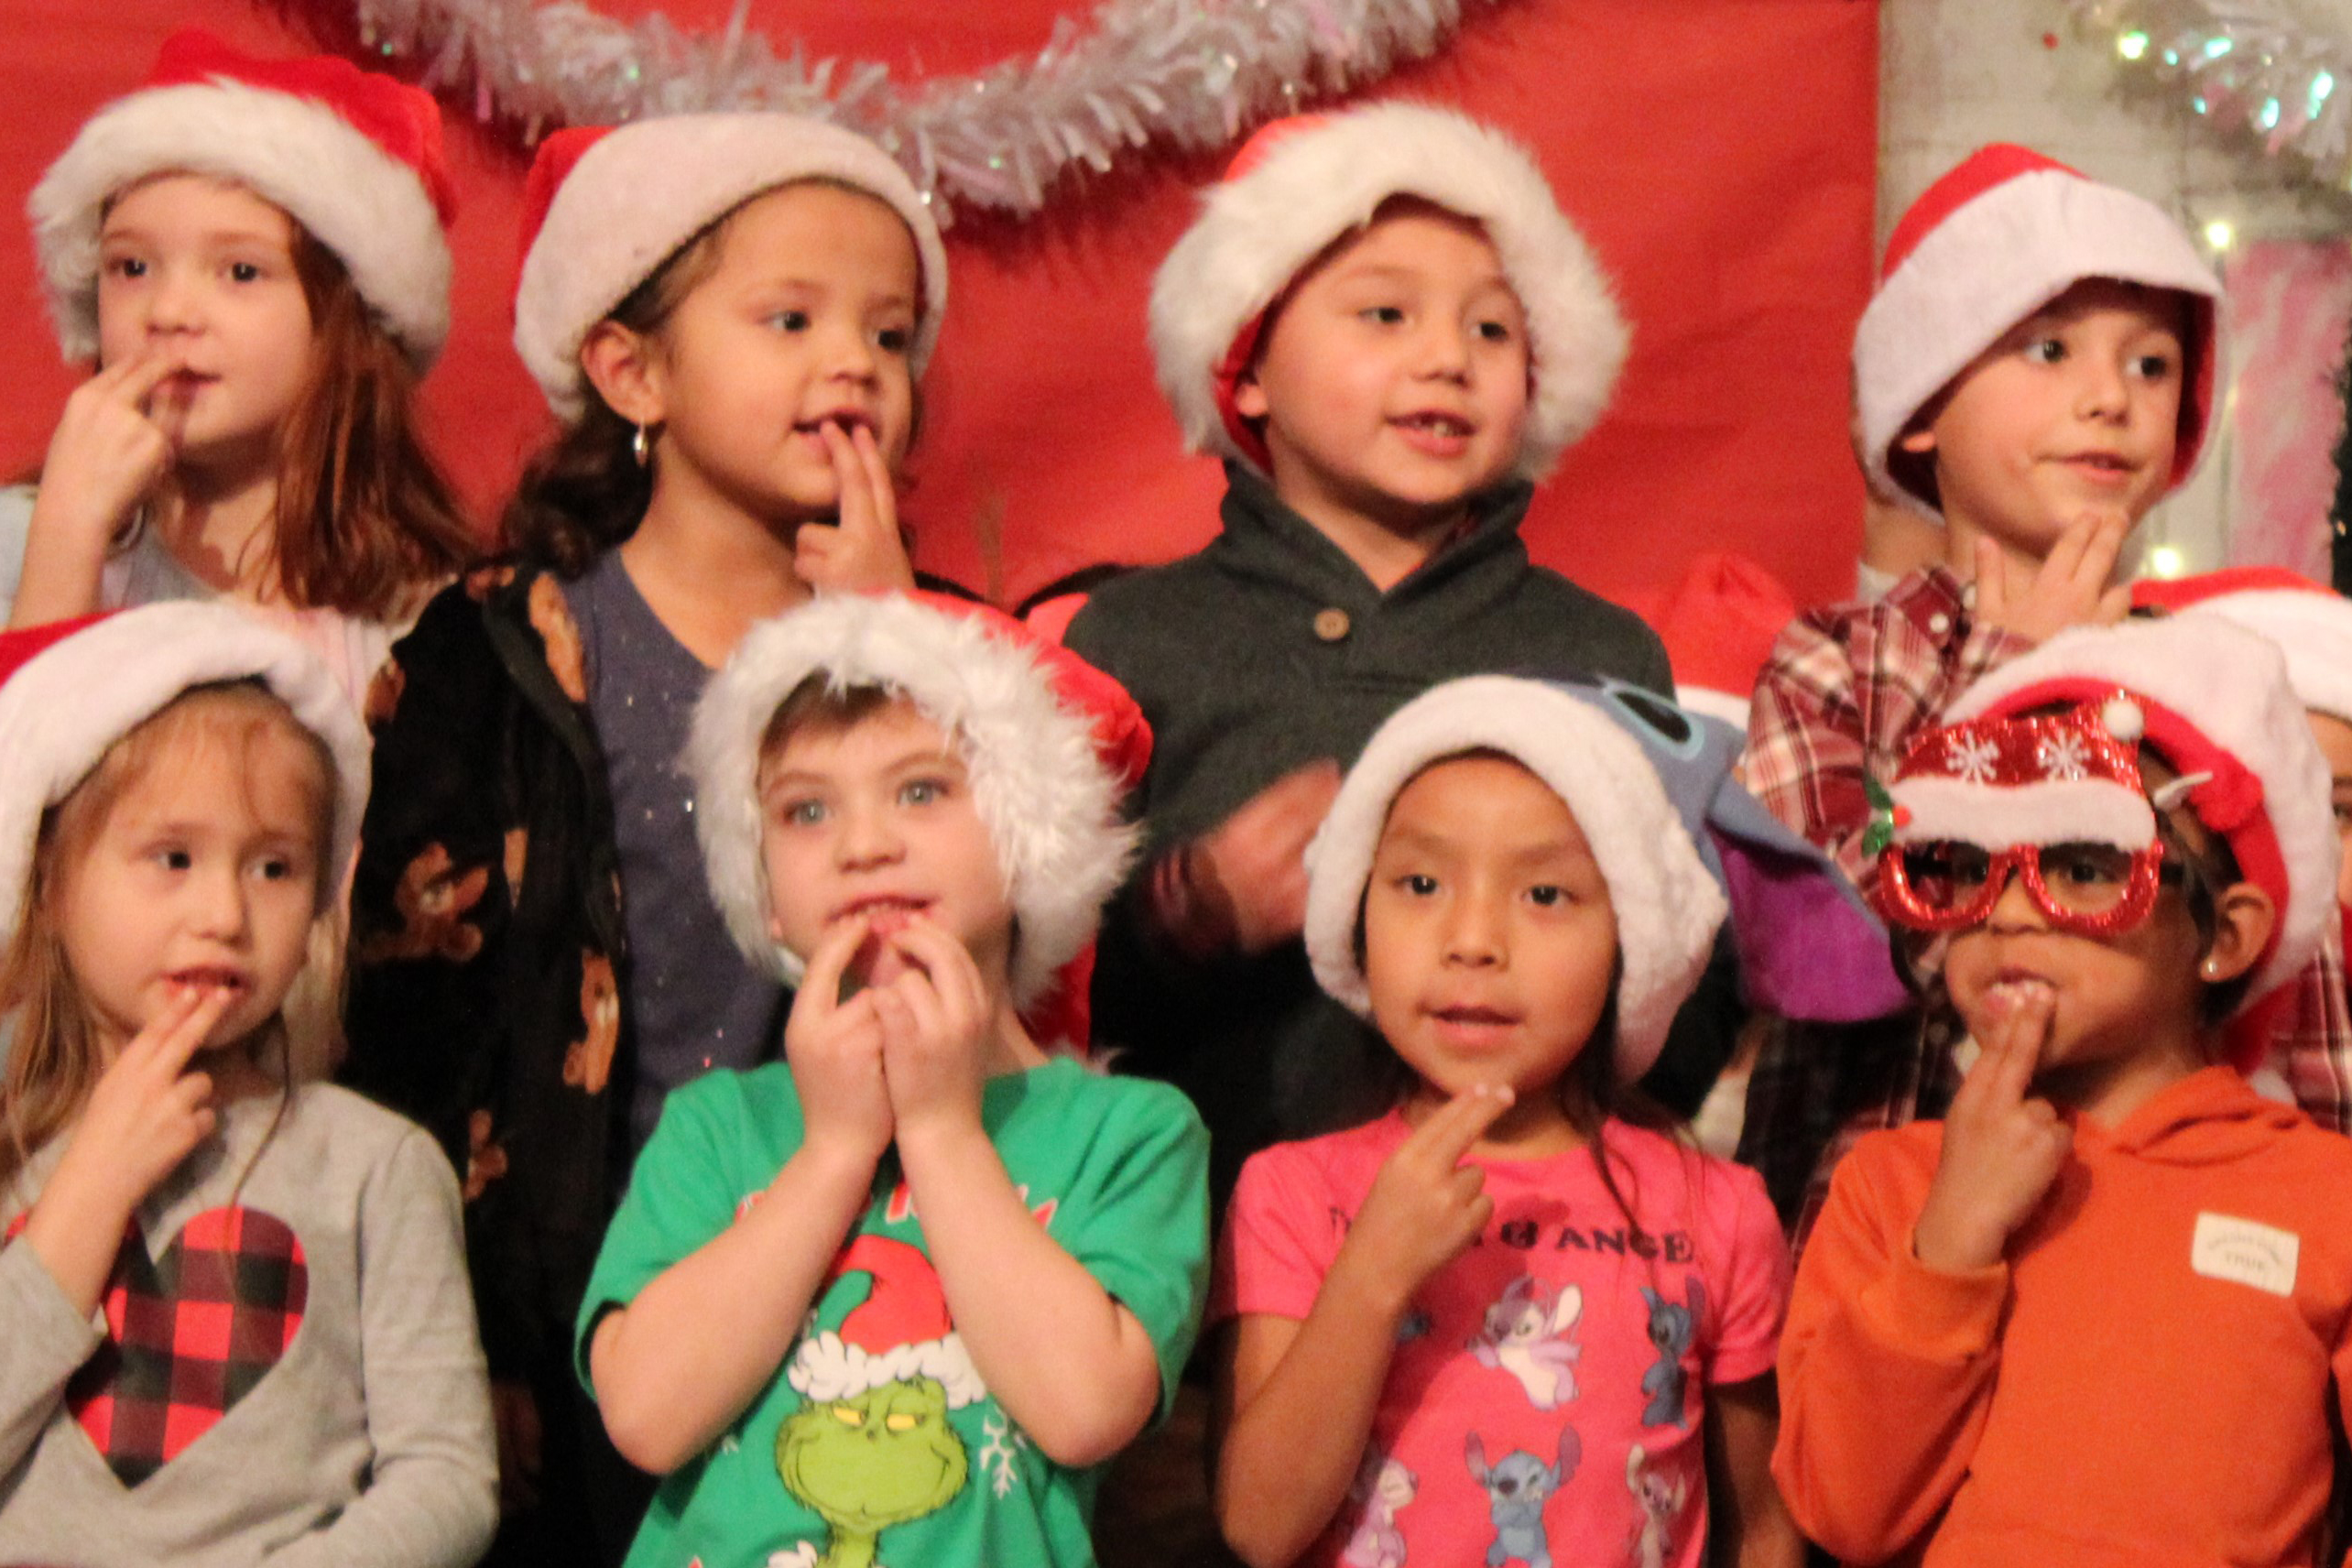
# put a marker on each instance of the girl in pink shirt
(1498, 1324)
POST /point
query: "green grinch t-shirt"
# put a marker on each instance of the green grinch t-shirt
(877, 1443)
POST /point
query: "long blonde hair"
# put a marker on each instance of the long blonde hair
(55, 1057)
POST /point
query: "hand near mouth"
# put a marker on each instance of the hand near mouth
(833, 1046)
(1243, 884)
(2070, 588)
(105, 459)
(935, 1012)
(875, 960)
(146, 1114)
(1426, 1205)
(2001, 1150)
(864, 549)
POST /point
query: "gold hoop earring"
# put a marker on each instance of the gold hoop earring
(641, 447)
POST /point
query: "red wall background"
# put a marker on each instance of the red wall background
(1719, 154)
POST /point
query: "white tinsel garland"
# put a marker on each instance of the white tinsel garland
(1187, 74)
(2248, 68)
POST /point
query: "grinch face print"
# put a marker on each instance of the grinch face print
(871, 1461)
(873, 1447)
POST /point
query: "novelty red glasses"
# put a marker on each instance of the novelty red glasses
(2094, 890)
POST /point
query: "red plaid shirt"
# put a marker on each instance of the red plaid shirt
(1848, 688)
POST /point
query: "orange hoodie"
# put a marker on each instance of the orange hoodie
(2145, 1381)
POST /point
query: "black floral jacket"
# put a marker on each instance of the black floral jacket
(486, 935)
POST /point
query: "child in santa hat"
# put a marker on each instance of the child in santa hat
(901, 1297)
(2034, 371)
(1385, 326)
(731, 313)
(238, 1323)
(252, 254)
(1517, 888)
(2102, 1312)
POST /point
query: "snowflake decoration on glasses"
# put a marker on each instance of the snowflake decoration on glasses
(2063, 757)
(1972, 757)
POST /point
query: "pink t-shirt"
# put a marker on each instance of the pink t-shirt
(1545, 1399)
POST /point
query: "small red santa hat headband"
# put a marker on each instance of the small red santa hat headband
(2003, 233)
(2209, 698)
(1299, 184)
(353, 157)
(2312, 625)
(605, 206)
(1051, 744)
(70, 690)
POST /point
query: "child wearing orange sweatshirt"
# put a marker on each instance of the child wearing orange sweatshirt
(2100, 1314)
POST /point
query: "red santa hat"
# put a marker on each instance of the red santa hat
(1051, 743)
(900, 1332)
(1996, 239)
(2213, 701)
(604, 207)
(1298, 185)
(70, 690)
(1719, 628)
(2312, 625)
(353, 157)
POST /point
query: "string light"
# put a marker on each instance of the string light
(2220, 234)
(2249, 69)
(2166, 560)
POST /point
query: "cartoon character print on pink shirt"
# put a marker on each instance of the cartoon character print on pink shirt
(1527, 1333)
(1382, 1487)
(1574, 1340)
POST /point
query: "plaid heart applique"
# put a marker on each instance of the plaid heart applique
(189, 1335)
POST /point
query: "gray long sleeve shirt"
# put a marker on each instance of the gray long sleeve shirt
(1266, 651)
(357, 1427)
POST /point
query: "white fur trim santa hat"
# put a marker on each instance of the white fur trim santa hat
(70, 689)
(1667, 904)
(1051, 744)
(2312, 625)
(900, 1332)
(1299, 184)
(604, 207)
(1996, 239)
(2211, 699)
(353, 157)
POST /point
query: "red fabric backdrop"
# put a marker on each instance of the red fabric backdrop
(1719, 154)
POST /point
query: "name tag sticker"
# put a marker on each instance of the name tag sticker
(2246, 1252)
